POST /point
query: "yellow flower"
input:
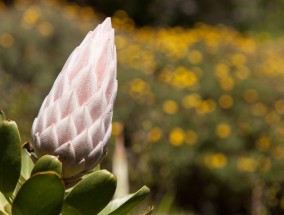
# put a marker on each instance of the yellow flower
(117, 128)
(216, 160)
(226, 101)
(195, 57)
(155, 134)
(206, 106)
(263, 143)
(279, 106)
(238, 60)
(278, 152)
(259, 109)
(250, 95)
(246, 164)
(138, 86)
(6, 40)
(45, 29)
(227, 83)
(272, 117)
(177, 136)
(170, 107)
(191, 100)
(223, 130)
(182, 78)
(31, 16)
(221, 70)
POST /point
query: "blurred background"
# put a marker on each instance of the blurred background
(200, 106)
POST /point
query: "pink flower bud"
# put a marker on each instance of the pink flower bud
(74, 121)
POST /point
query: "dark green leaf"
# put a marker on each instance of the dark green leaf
(10, 155)
(91, 194)
(47, 163)
(124, 205)
(43, 193)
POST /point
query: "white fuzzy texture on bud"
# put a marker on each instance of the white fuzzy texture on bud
(74, 121)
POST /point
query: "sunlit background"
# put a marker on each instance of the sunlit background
(200, 106)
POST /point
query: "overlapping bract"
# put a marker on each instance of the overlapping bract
(74, 121)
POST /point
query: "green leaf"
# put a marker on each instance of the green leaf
(3, 203)
(43, 193)
(47, 163)
(27, 165)
(124, 205)
(10, 155)
(91, 194)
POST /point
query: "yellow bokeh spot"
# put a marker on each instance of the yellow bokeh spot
(242, 73)
(206, 106)
(195, 57)
(155, 134)
(191, 137)
(221, 70)
(138, 86)
(263, 143)
(272, 117)
(45, 29)
(259, 109)
(170, 107)
(223, 130)
(264, 163)
(238, 60)
(226, 101)
(191, 100)
(278, 152)
(227, 83)
(72, 11)
(31, 15)
(6, 40)
(250, 95)
(246, 164)
(182, 78)
(177, 136)
(216, 161)
(279, 106)
(117, 128)
(120, 42)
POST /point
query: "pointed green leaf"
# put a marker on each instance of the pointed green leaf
(47, 163)
(10, 155)
(91, 194)
(43, 193)
(124, 205)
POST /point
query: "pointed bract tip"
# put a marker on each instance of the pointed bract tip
(107, 24)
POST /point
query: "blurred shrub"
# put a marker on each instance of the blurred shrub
(258, 15)
(202, 108)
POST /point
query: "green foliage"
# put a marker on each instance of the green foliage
(43, 193)
(124, 205)
(10, 155)
(91, 194)
(47, 163)
(41, 189)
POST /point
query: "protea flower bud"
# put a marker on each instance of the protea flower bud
(74, 121)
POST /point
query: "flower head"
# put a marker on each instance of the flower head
(74, 121)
